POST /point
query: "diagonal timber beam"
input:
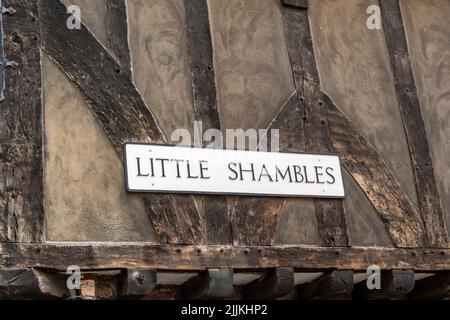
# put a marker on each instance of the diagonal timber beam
(274, 284)
(119, 108)
(335, 285)
(435, 287)
(211, 283)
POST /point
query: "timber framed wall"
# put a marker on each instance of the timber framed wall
(76, 93)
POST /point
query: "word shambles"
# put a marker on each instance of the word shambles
(156, 168)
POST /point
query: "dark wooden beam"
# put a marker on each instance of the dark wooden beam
(435, 287)
(117, 32)
(211, 283)
(427, 192)
(335, 285)
(120, 109)
(175, 257)
(32, 284)
(135, 283)
(330, 213)
(369, 170)
(394, 284)
(21, 164)
(274, 284)
(303, 4)
(216, 219)
(255, 220)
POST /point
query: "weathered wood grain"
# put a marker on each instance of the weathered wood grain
(134, 283)
(335, 285)
(120, 110)
(330, 213)
(117, 32)
(21, 165)
(255, 220)
(216, 220)
(394, 284)
(32, 284)
(366, 166)
(425, 180)
(296, 3)
(211, 283)
(197, 257)
(274, 284)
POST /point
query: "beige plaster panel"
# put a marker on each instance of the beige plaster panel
(159, 58)
(252, 66)
(427, 26)
(85, 197)
(93, 15)
(364, 225)
(355, 71)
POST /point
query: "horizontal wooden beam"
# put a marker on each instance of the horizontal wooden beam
(274, 284)
(334, 285)
(436, 287)
(211, 283)
(192, 257)
(394, 284)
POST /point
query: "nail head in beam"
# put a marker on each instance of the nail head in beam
(335, 285)
(211, 283)
(136, 283)
(436, 287)
(394, 284)
(302, 4)
(274, 284)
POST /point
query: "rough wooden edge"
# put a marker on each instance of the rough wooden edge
(216, 220)
(135, 283)
(255, 220)
(117, 32)
(32, 284)
(211, 283)
(274, 284)
(366, 166)
(121, 111)
(302, 4)
(414, 125)
(435, 287)
(330, 213)
(21, 125)
(173, 257)
(394, 284)
(334, 285)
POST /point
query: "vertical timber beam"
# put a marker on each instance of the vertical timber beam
(216, 219)
(330, 213)
(427, 192)
(117, 32)
(21, 164)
